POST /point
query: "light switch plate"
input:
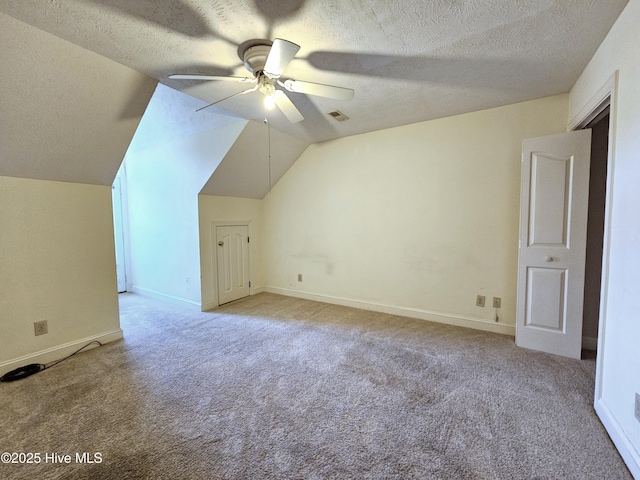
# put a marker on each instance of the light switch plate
(638, 406)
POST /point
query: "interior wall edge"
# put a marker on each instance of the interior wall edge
(205, 307)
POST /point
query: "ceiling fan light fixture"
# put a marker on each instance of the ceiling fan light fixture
(269, 102)
(267, 60)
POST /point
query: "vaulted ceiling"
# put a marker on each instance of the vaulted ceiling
(408, 61)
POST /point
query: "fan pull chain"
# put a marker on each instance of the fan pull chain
(266, 121)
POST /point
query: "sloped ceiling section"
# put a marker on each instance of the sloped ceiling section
(66, 113)
(246, 171)
(172, 115)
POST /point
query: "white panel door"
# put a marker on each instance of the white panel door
(232, 247)
(553, 224)
(118, 232)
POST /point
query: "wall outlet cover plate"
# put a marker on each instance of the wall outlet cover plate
(40, 328)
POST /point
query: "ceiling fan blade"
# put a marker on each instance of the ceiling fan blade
(230, 96)
(287, 107)
(281, 53)
(212, 77)
(318, 89)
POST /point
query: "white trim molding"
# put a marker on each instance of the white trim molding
(213, 305)
(626, 449)
(60, 351)
(596, 104)
(208, 306)
(183, 302)
(607, 95)
(257, 290)
(445, 318)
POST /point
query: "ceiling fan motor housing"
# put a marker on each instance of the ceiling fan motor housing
(255, 57)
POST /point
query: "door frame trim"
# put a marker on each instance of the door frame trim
(124, 202)
(214, 254)
(118, 208)
(596, 104)
(607, 95)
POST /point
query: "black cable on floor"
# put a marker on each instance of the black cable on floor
(33, 368)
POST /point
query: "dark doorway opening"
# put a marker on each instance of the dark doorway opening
(595, 227)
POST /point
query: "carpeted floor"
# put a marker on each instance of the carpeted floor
(282, 388)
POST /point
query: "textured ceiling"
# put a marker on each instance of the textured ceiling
(407, 61)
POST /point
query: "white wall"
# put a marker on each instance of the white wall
(419, 218)
(58, 265)
(67, 116)
(618, 352)
(229, 210)
(163, 183)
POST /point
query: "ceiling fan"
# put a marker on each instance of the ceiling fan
(267, 61)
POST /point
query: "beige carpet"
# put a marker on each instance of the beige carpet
(281, 388)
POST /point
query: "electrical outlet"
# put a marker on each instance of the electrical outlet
(299, 277)
(638, 406)
(480, 301)
(496, 302)
(40, 328)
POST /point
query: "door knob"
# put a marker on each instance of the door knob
(549, 259)
(221, 243)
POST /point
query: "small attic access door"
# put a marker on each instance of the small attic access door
(232, 254)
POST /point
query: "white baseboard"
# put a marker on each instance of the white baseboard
(456, 320)
(622, 442)
(60, 351)
(590, 343)
(208, 306)
(183, 302)
(212, 305)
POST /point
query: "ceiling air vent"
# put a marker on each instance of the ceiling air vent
(339, 116)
